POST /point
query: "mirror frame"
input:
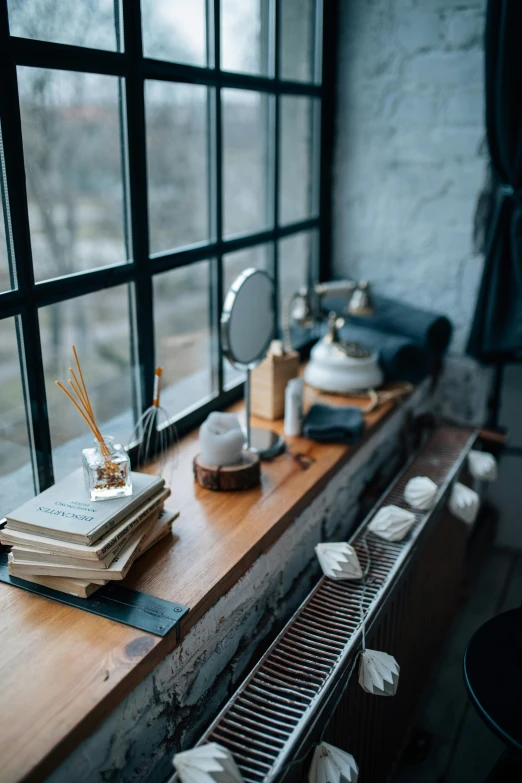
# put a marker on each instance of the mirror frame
(227, 314)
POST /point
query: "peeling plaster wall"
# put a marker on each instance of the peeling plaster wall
(174, 704)
(410, 153)
(410, 160)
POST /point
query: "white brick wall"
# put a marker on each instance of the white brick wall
(409, 165)
(409, 157)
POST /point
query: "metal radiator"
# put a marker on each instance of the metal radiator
(412, 590)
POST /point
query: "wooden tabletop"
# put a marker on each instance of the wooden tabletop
(64, 670)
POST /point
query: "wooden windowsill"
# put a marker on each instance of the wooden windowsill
(64, 670)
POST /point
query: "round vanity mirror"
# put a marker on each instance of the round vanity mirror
(248, 325)
(248, 319)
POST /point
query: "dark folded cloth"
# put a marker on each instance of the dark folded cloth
(334, 424)
(400, 358)
(410, 341)
(423, 326)
(431, 330)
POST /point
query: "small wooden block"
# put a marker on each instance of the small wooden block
(268, 384)
(245, 475)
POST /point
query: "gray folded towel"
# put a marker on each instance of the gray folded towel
(410, 341)
(431, 330)
(399, 357)
(333, 423)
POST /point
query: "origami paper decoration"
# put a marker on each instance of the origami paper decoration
(378, 673)
(211, 763)
(332, 765)
(420, 492)
(392, 523)
(482, 465)
(464, 503)
(339, 561)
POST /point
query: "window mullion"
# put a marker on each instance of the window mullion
(276, 140)
(218, 192)
(136, 130)
(318, 44)
(328, 14)
(68, 57)
(29, 336)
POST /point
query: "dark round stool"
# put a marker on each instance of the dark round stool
(493, 678)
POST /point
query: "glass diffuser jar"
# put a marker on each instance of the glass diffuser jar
(107, 470)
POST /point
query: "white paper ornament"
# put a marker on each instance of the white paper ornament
(482, 465)
(378, 673)
(339, 561)
(332, 765)
(211, 763)
(392, 523)
(420, 492)
(464, 503)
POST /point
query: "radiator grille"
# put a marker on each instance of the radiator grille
(265, 721)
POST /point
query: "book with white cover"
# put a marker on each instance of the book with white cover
(111, 543)
(83, 588)
(117, 570)
(161, 528)
(38, 556)
(66, 512)
(23, 554)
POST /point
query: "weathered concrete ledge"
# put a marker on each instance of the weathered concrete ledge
(170, 708)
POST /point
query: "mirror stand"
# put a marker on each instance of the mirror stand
(265, 443)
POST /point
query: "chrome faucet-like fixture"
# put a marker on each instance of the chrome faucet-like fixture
(361, 302)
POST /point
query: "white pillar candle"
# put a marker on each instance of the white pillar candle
(221, 440)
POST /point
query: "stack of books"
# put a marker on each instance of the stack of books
(63, 540)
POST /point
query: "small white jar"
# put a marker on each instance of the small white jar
(294, 407)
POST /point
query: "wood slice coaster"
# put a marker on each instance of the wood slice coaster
(244, 475)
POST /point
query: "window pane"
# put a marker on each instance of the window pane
(177, 164)
(71, 135)
(297, 39)
(295, 202)
(5, 280)
(259, 257)
(174, 30)
(99, 326)
(183, 335)
(82, 22)
(16, 475)
(297, 254)
(5, 283)
(246, 173)
(244, 36)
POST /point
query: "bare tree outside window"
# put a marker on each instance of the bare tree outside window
(78, 177)
(178, 164)
(175, 30)
(81, 22)
(71, 133)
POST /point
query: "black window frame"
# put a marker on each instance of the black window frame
(27, 297)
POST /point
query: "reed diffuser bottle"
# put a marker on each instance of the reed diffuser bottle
(106, 466)
(107, 470)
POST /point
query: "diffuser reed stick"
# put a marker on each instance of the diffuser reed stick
(107, 469)
(83, 403)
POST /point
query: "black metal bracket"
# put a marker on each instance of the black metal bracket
(130, 607)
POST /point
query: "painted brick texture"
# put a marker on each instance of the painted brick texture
(410, 155)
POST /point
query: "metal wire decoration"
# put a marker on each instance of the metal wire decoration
(157, 436)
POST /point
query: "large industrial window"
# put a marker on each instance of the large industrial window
(150, 151)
